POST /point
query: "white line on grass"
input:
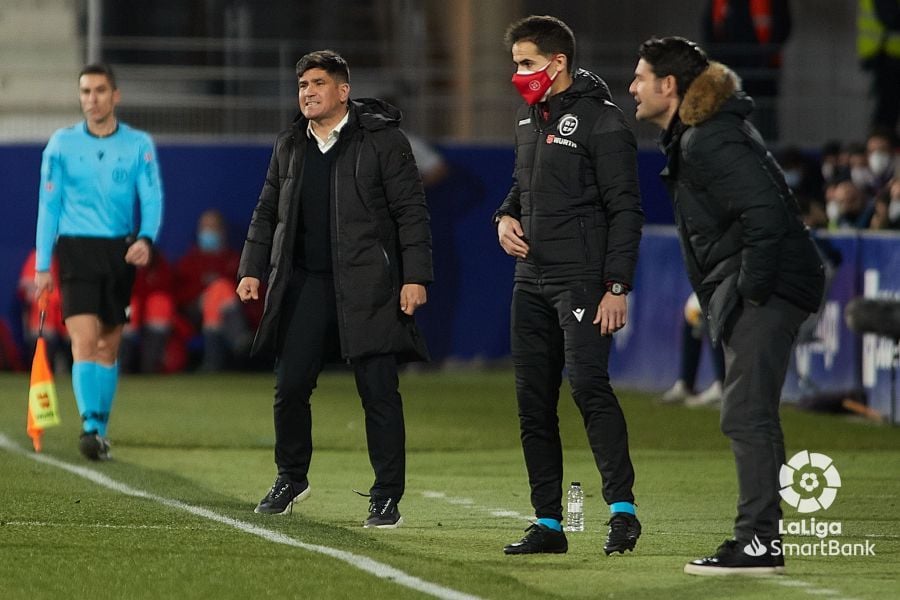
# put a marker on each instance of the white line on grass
(363, 563)
(99, 525)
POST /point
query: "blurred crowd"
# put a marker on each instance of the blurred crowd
(850, 186)
(184, 314)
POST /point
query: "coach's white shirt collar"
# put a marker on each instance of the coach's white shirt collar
(326, 144)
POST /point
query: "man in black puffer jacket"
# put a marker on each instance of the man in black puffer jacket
(751, 261)
(573, 221)
(341, 232)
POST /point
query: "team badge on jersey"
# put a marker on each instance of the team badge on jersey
(568, 124)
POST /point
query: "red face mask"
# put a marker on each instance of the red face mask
(534, 85)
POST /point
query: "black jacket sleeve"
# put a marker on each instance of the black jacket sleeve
(406, 204)
(614, 155)
(256, 255)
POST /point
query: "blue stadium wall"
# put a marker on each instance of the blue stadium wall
(467, 314)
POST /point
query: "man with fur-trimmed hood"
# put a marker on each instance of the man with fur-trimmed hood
(751, 261)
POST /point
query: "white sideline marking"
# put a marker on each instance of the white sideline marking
(93, 525)
(468, 502)
(363, 563)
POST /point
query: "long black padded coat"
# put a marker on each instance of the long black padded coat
(380, 235)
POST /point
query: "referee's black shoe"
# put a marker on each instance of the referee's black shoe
(624, 531)
(281, 497)
(93, 446)
(539, 539)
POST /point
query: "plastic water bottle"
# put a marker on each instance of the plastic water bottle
(575, 508)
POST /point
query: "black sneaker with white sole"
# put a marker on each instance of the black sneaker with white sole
(383, 514)
(739, 558)
(93, 446)
(624, 531)
(281, 497)
(539, 539)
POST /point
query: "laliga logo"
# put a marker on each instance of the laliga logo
(809, 481)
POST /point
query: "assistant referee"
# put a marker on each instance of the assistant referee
(91, 175)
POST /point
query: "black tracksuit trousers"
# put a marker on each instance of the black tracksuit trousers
(551, 329)
(308, 339)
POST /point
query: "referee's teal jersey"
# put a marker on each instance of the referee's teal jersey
(89, 186)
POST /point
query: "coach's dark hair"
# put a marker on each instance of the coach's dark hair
(329, 61)
(676, 56)
(549, 34)
(100, 69)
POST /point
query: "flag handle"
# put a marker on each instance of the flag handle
(43, 301)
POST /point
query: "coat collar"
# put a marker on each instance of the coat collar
(708, 93)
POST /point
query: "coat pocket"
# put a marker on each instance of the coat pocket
(722, 302)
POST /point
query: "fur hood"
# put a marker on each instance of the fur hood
(707, 93)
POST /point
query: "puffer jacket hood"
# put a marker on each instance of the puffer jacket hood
(586, 84)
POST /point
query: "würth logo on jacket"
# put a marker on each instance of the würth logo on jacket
(552, 139)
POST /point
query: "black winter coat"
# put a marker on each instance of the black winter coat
(380, 236)
(739, 224)
(575, 188)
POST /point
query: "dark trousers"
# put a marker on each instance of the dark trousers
(308, 339)
(757, 346)
(547, 335)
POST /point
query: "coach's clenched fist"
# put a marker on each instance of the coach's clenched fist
(248, 289)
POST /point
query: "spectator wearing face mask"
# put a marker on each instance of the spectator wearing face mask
(205, 293)
(881, 159)
(848, 207)
(860, 173)
(887, 207)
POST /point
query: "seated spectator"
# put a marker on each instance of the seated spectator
(860, 174)
(56, 338)
(848, 207)
(881, 160)
(151, 340)
(205, 287)
(886, 215)
(801, 173)
(835, 163)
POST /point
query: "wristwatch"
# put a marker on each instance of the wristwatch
(617, 289)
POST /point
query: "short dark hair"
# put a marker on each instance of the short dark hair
(676, 56)
(329, 61)
(549, 34)
(100, 69)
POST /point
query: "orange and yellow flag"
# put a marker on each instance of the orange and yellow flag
(43, 408)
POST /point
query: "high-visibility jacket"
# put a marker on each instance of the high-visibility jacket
(873, 38)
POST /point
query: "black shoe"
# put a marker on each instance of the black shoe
(383, 514)
(93, 446)
(281, 497)
(623, 534)
(737, 558)
(539, 539)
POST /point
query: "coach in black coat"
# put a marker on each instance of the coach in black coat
(751, 261)
(341, 233)
(380, 235)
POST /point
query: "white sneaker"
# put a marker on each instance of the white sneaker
(677, 393)
(709, 397)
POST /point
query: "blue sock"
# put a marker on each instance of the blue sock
(107, 381)
(622, 507)
(551, 523)
(87, 394)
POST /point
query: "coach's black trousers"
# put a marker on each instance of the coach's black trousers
(757, 346)
(308, 339)
(552, 328)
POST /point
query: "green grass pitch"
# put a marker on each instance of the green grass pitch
(206, 441)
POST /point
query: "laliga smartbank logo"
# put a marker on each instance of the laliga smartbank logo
(809, 483)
